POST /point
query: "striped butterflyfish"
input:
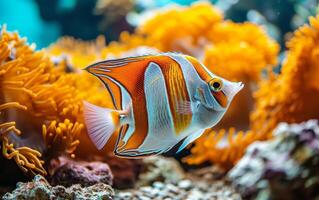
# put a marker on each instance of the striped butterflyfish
(159, 101)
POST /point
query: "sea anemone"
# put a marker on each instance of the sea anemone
(49, 116)
(26, 158)
(21, 71)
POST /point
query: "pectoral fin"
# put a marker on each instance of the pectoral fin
(100, 122)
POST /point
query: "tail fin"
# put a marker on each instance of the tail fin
(101, 123)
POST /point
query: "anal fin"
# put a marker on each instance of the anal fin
(189, 139)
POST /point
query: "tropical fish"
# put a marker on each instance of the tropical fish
(160, 101)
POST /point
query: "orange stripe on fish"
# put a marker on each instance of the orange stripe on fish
(177, 91)
(203, 74)
(129, 73)
(221, 98)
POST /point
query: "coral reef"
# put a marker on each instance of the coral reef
(200, 30)
(67, 172)
(247, 50)
(59, 118)
(56, 126)
(283, 168)
(22, 74)
(39, 188)
(41, 105)
(292, 95)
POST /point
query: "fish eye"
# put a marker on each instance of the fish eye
(216, 84)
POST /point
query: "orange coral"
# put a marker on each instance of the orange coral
(224, 148)
(240, 51)
(79, 53)
(62, 135)
(47, 93)
(185, 28)
(293, 95)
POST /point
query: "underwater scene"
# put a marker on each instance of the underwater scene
(164, 100)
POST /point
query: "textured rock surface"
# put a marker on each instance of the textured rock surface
(67, 172)
(283, 168)
(40, 189)
(159, 168)
(125, 171)
(196, 186)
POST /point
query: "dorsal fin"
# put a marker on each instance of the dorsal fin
(204, 73)
(123, 71)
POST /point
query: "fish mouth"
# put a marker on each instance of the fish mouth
(232, 88)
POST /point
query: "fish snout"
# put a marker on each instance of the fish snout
(232, 88)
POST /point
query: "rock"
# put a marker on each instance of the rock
(190, 189)
(283, 168)
(69, 172)
(185, 184)
(158, 185)
(4, 190)
(125, 171)
(159, 168)
(163, 178)
(210, 173)
(39, 188)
